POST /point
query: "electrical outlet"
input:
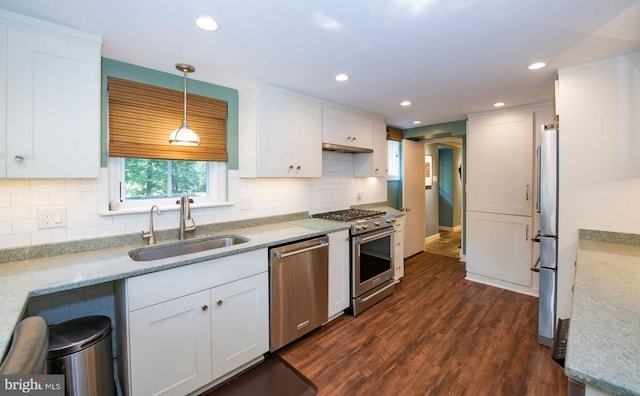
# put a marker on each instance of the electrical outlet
(53, 217)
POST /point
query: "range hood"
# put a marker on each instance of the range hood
(345, 149)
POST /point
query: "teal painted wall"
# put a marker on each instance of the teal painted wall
(447, 129)
(394, 194)
(144, 75)
(445, 187)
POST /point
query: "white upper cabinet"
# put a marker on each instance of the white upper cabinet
(50, 84)
(343, 128)
(500, 163)
(373, 164)
(280, 134)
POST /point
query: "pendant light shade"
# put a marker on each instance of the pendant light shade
(184, 136)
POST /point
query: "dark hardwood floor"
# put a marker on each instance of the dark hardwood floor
(438, 334)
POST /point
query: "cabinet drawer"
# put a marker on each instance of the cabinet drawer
(156, 287)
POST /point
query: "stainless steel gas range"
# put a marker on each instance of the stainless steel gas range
(371, 240)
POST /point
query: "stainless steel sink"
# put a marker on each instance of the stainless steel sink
(185, 247)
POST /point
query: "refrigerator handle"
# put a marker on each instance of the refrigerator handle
(539, 161)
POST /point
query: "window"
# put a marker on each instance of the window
(144, 168)
(139, 182)
(393, 150)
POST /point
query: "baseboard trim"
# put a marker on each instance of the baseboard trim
(502, 284)
(432, 238)
(457, 228)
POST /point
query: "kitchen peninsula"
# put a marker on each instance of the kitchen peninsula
(603, 349)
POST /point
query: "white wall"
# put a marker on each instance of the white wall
(599, 109)
(84, 199)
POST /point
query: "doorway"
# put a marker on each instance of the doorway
(444, 201)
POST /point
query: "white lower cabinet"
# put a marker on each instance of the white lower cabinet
(339, 269)
(398, 248)
(239, 312)
(499, 248)
(170, 346)
(180, 335)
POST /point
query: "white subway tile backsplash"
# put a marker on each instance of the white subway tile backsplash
(83, 199)
(29, 199)
(47, 186)
(14, 186)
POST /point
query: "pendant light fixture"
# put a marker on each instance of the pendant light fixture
(184, 136)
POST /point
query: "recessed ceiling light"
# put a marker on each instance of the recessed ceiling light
(207, 23)
(417, 122)
(498, 104)
(342, 77)
(405, 103)
(537, 65)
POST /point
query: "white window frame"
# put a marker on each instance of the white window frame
(217, 195)
(390, 152)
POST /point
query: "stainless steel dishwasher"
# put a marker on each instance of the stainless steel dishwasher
(299, 284)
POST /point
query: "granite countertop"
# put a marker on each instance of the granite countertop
(603, 349)
(22, 279)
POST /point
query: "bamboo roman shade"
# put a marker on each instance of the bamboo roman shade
(142, 116)
(394, 134)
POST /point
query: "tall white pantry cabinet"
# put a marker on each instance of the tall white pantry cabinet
(500, 195)
(49, 100)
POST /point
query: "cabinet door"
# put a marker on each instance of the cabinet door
(239, 322)
(373, 164)
(339, 270)
(289, 136)
(499, 247)
(500, 163)
(346, 129)
(53, 106)
(170, 346)
(398, 249)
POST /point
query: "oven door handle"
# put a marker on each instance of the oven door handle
(361, 300)
(373, 237)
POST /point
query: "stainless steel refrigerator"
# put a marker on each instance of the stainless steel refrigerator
(547, 206)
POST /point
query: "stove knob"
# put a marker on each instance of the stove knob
(365, 226)
(376, 223)
(358, 227)
(391, 220)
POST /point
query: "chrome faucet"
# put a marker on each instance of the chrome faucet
(151, 234)
(186, 222)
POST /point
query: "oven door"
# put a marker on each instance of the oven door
(372, 260)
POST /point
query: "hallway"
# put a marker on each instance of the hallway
(448, 244)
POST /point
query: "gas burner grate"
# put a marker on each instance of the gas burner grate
(350, 214)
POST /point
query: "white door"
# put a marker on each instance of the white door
(239, 322)
(170, 346)
(413, 197)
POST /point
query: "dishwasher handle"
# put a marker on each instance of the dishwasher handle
(278, 255)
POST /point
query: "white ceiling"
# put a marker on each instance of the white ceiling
(448, 57)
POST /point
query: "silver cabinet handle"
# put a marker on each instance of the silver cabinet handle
(526, 235)
(527, 193)
(18, 158)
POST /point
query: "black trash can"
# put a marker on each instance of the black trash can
(81, 350)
